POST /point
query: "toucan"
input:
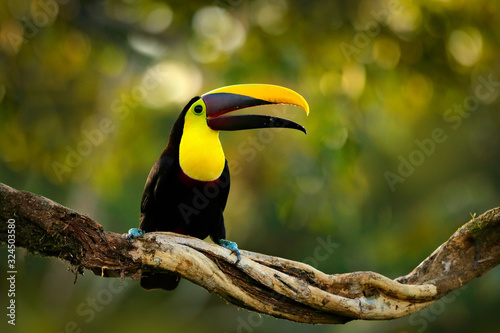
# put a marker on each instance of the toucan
(187, 188)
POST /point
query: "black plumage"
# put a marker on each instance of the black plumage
(172, 201)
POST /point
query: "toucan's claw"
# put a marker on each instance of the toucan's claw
(233, 247)
(134, 233)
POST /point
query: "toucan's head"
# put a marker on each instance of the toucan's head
(200, 153)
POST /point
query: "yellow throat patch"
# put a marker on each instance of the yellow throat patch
(200, 152)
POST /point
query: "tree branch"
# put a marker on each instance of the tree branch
(275, 286)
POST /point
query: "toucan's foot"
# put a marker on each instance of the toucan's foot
(233, 247)
(134, 233)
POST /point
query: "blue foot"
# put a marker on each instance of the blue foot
(231, 246)
(134, 233)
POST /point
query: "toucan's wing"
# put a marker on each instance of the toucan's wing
(150, 204)
(148, 193)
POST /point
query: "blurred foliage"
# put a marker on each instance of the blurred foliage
(89, 91)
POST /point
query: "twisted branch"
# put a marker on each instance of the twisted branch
(275, 286)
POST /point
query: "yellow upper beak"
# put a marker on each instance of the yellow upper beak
(265, 92)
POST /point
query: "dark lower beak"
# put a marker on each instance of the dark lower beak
(244, 122)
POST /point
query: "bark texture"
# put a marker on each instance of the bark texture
(275, 286)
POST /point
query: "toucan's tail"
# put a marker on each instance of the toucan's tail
(166, 281)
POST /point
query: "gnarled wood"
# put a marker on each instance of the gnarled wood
(271, 285)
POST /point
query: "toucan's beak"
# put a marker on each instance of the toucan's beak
(231, 98)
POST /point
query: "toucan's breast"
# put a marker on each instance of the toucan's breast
(200, 152)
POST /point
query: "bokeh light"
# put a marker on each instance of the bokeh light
(466, 46)
(181, 81)
(353, 80)
(217, 32)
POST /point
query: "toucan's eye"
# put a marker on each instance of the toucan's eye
(198, 109)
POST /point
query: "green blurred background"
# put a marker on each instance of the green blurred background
(402, 146)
